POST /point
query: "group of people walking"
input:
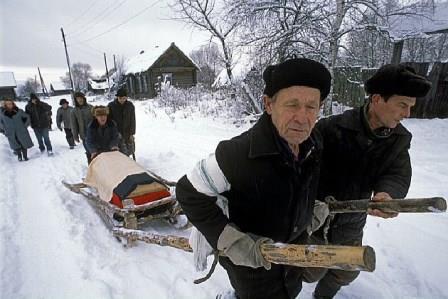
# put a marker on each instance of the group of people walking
(98, 128)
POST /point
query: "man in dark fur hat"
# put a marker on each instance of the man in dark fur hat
(260, 186)
(366, 156)
(122, 112)
(102, 133)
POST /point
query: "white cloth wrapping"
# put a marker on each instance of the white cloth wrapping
(108, 170)
(207, 178)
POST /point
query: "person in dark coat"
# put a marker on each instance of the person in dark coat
(14, 122)
(80, 118)
(122, 112)
(366, 156)
(102, 133)
(40, 114)
(260, 186)
(63, 116)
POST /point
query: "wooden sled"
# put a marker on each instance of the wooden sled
(130, 216)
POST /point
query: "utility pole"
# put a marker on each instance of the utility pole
(115, 64)
(68, 64)
(42, 84)
(107, 71)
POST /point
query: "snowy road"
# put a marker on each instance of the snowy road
(53, 245)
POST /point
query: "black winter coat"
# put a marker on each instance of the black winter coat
(124, 117)
(270, 194)
(102, 139)
(40, 114)
(356, 164)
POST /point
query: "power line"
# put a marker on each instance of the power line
(95, 21)
(81, 14)
(104, 16)
(122, 23)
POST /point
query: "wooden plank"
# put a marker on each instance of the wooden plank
(348, 258)
(410, 205)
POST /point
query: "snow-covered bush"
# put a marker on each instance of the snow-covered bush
(226, 102)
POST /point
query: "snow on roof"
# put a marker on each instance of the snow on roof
(143, 61)
(403, 27)
(98, 85)
(7, 79)
(58, 85)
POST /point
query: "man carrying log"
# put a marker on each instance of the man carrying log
(366, 153)
(268, 176)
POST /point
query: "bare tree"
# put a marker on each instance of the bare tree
(120, 71)
(279, 29)
(81, 72)
(205, 15)
(30, 86)
(210, 62)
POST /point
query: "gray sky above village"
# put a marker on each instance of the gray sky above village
(30, 33)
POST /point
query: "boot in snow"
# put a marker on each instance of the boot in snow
(25, 154)
(19, 155)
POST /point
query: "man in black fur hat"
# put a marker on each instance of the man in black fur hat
(260, 186)
(366, 156)
(122, 111)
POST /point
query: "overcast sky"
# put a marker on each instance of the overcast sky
(30, 33)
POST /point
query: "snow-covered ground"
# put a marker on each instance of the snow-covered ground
(54, 245)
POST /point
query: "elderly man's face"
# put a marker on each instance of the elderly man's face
(294, 111)
(391, 112)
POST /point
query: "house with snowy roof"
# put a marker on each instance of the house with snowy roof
(97, 86)
(418, 25)
(7, 85)
(148, 71)
(57, 88)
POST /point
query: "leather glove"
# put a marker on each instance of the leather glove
(243, 249)
(320, 214)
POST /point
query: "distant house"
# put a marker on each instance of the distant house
(97, 86)
(57, 89)
(146, 72)
(7, 85)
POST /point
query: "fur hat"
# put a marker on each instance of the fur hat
(100, 110)
(297, 71)
(63, 101)
(33, 96)
(397, 79)
(79, 94)
(122, 92)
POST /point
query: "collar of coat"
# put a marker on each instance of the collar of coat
(264, 140)
(353, 120)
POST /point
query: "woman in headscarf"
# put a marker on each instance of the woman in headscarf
(14, 122)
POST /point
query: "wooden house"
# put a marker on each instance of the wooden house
(146, 72)
(7, 85)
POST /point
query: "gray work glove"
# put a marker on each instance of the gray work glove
(320, 214)
(243, 249)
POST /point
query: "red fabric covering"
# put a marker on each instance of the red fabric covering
(142, 199)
